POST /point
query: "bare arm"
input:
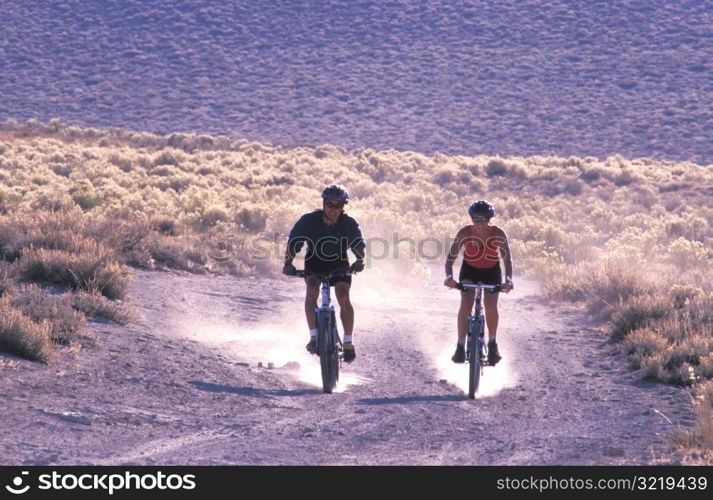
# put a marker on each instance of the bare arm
(507, 259)
(452, 255)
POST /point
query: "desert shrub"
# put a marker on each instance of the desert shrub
(682, 295)
(52, 230)
(53, 202)
(61, 170)
(704, 369)
(554, 237)
(704, 415)
(56, 310)
(213, 216)
(167, 252)
(642, 344)
(625, 178)
(94, 270)
(125, 164)
(94, 304)
(169, 157)
(496, 167)
(123, 237)
(571, 285)
(591, 174)
(86, 199)
(687, 255)
(637, 312)
(445, 175)
(573, 187)
(164, 170)
(611, 288)
(21, 336)
(252, 218)
(166, 225)
(676, 341)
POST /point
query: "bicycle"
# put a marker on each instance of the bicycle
(478, 357)
(329, 344)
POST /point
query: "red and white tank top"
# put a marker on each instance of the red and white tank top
(482, 251)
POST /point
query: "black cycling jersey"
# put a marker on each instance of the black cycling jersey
(327, 245)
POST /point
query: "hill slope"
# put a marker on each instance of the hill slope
(511, 78)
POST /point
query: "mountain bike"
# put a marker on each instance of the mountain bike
(476, 351)
(329, 344)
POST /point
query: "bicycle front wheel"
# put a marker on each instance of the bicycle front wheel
(325, 346)
(474, 376)
(474, 365)
(334, 358)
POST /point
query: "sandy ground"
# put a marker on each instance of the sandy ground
(183, 385)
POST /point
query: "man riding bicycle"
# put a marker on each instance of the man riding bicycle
(329, 233)
(483, 246)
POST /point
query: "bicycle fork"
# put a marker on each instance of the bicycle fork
(332, 336)
(476, 332)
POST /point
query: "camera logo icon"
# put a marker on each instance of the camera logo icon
(16, 487)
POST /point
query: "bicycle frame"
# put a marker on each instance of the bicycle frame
(329, 344)
(476, 352)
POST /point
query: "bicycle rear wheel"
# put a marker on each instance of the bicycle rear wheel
(325, 346)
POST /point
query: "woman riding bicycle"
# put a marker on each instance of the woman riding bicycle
(483, 246)
(329, 233)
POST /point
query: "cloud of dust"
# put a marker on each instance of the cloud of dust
(427, 311)
(278, 343)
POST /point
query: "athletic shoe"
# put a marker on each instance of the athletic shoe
(459, 356)
(312, 345)
(349, 352)
(493, 354)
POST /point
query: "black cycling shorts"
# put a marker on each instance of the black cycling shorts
(487, 276)
(321, 267)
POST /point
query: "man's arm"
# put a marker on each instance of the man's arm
(358, 247)
(295, 241)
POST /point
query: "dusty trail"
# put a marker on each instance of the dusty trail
(182, 386)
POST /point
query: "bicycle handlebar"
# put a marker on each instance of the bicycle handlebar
(334, 274)
(462, 286)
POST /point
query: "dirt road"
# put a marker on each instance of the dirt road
(182, 385)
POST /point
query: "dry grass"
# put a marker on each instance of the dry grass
(56, 310)
(697, 443)
(22, 336)
(96, 305)
(93, 272)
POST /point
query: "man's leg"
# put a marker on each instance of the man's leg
(346, 314)
(311, 295)
(346, 311)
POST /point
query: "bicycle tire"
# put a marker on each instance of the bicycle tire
(323, 345)
(334, 350)
(474, 360)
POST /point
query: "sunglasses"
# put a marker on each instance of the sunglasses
(333, 205)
